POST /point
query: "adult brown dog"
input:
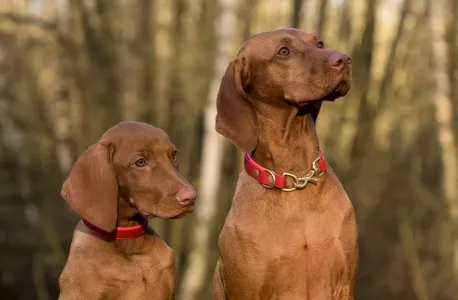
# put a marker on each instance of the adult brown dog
(130, 175)
(299, 242)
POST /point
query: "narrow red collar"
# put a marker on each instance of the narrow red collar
(270, 179)
(119, 233)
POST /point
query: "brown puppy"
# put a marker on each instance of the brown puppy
(131, 174)
(276, 244)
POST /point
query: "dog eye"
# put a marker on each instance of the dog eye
(174, 154)
(175, 158)
(141, 162)
(284, 51)
(320, 44)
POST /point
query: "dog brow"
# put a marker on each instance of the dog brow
(286, 40)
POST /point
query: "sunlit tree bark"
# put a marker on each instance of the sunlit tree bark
(444, 115)
(212, 150)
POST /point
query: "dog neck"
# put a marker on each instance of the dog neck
(287, 139)
(128, 215)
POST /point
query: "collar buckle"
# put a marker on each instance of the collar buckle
(270, 179)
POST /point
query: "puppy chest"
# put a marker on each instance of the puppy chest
(159, 277)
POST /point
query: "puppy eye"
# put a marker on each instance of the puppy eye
(284, 51)
(141, 162)
(320, 44)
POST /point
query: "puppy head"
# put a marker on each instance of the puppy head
(133, 161)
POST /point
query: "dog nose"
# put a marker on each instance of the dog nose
(339, 60)
(187, 197)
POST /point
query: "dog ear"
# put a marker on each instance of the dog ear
(91, 188)
(315, 110)
(236, 118)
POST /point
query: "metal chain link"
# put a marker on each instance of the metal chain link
(301, 182)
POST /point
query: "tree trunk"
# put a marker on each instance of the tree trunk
(368, 113)
(385, 85)
(176, 107)
(205, 34)
(408, 243)
(146, 46)
(248, 8)
(362, 75)
(452, 39)
(331, 140)
(100, 79)
(349, 140)
(444, 116)
(321, 18)
(210, 173)
(296, 16)
(345, 22)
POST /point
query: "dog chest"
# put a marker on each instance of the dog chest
(266, 260)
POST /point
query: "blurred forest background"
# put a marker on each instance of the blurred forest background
(70, 69)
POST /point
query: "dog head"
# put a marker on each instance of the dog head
(280, 68)
(132, 161)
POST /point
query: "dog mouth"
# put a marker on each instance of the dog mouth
(143, 213)
(178, 216)
(181, 215)
(147, 215)
(189, 209)
(303, 104)
(168, 214)
(306, 107)
(340, 90)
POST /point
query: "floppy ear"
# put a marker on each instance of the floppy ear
(91, 189)
(315, 110)
(236, 118)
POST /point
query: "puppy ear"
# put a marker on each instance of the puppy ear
(236, 118)
(315, 110)
(91, 189)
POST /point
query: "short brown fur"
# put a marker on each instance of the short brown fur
(109, 187)
(275, 244)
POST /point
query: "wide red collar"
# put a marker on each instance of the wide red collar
(119, 233)
(270, 179)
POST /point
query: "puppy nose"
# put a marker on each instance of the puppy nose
(186, 197)
(339, 60)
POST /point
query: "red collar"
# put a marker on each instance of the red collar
(271, 179)
(119, 233)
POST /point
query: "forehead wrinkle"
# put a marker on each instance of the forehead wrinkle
(144, 142)
(268, 41)
(305, 37)
(155, 144)
(286, 40)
